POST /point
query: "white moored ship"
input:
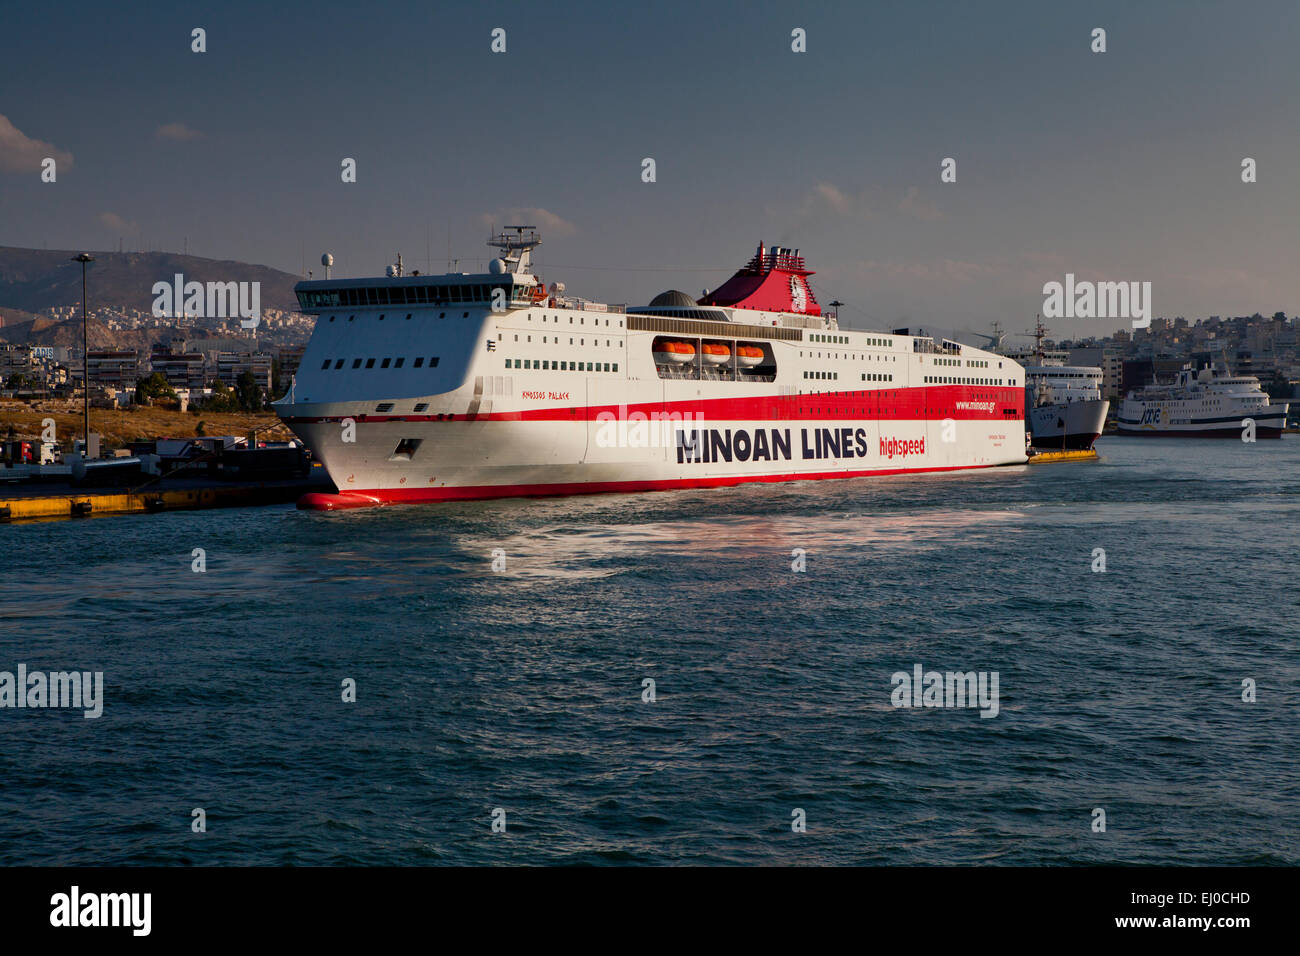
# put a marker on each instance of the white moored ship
(1206, 403)
(457, 386)
(1063, 404)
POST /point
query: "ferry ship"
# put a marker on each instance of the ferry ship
(1064, 408)
(1209, 402)
(418, 388)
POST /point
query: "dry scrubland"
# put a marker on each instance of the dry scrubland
(119, 426)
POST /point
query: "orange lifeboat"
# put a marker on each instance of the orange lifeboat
(674, 352)
(715, 353)
(538, 293)
(749, 356)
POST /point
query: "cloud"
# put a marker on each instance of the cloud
(177, 131)
(19, 153)
(928, 271)
(913, 205)
(548, 222)
(115, 222)
(824, 201)
(829, 198)
(833, 197)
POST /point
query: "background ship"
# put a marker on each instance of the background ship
(428, 388)
(1064, 408)
(1209, 402)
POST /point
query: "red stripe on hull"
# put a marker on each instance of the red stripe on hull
(933, 402)
(481, 492)
(320, 501)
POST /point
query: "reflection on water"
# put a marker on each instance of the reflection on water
(573, 551)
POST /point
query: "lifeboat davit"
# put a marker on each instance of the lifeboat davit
(679, 352)
(716, 354)
(749, 356)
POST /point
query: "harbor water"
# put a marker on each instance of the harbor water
(502, 653)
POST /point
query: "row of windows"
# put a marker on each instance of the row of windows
(407, 295)
(582, 320)
(866, 376)
(834, 411)
(1206, 401)
(844, 340)
(862, 358)
(609, 343)
(552, 365)
(441, 315)
(872, 393)
(960, 380)
(721, 330)
(386, 363)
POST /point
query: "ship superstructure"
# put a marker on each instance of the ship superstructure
(457, 386)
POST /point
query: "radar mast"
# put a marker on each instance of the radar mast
(516, 250)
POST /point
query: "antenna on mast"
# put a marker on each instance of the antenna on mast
(516, 250)
(996, 339)
(1039, 331)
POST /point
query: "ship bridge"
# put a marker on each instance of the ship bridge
(508, 283)
(454, 289)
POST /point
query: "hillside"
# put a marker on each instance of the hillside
(12, 317)
(44, 331)
(32, 280)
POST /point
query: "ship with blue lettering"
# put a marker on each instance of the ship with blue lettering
(419, 388)
(1209, 402)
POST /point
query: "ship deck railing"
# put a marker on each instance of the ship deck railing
(691, 373)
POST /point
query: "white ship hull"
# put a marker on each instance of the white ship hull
(410, 403)
(499, 459)
(1205, 403)
(1157, 420)
(1068, 425)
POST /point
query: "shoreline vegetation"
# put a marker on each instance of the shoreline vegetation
(118, 426)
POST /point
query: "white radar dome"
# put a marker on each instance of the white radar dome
(327, 260)
(497, 266)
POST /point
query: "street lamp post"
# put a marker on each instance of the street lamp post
(85, 352)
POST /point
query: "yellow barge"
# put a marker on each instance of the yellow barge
(1037, 457)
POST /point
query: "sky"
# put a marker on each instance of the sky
(1115, 166)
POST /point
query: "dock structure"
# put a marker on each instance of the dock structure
(36, 503)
